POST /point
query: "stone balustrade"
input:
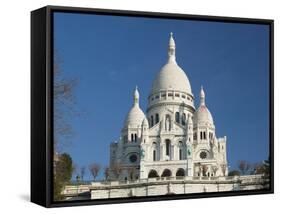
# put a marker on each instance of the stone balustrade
(166, 185)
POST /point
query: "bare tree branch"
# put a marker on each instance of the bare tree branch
(94, 169)
(64, 101)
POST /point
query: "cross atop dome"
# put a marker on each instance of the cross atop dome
(172, 49)
(172, 41)
(136, 96)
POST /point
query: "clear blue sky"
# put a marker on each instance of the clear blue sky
(110, 55)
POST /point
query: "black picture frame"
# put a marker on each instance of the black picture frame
(42, 99)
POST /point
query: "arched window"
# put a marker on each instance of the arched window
(204, 134)
(132, 137)
(168, 147)
(156, 118)
(154, 155)
(201, 135)
(195, 136)
(180, 173)
(210, 135)
(151, 121)
(180, 146)
(154, 148)
(135, 137)
(180, 154)
(183, 119)
(166, 173)
(153, 174)
(177, 117)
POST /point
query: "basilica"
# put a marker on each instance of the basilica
(170, 149)
(174, 138)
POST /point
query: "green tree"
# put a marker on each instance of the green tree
(62, 174)
(234, 173)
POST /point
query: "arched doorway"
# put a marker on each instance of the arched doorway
(166, 173)
(153, 174)
(180, 173)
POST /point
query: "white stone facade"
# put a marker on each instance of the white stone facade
(173, 138)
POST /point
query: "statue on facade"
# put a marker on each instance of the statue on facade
(168, 123)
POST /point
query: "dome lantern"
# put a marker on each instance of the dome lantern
(172, 49)
(202, 97)
(136, 96)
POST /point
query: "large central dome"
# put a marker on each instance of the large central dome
(171, 76)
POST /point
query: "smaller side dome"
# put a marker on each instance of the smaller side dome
(135, 116)
(202, 114)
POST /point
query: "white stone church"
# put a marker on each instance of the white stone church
(172, 149)
(173, 138)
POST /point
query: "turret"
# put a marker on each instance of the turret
(202, 97)
(145, 128)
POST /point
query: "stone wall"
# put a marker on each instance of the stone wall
(164, 186)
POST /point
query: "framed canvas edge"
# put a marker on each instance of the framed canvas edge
(38, 152)
(47, 93)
